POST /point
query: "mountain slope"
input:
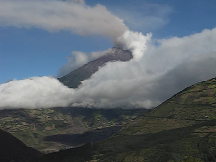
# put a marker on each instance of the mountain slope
(13, 150)
(74, 78)
(182, 129)
(34, 127)
(195, 102)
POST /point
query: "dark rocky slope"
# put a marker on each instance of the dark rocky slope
(13, 150)
(74, 78)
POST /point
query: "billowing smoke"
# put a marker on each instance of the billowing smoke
(158, 70)
(156, 73)
(78, 58)
(129, 41)
(54, 15)
(134, 41)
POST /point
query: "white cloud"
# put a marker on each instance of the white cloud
(156, 74)
(54, 15)
(37, 92)
(162, 71)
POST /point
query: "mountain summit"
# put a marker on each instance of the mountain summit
(74, 78)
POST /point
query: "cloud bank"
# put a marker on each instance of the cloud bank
(158, 71)
(54, 15)
(37, 92)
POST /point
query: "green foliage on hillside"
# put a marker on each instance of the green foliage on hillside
(197, 102)
(182, 129)
(32, 126)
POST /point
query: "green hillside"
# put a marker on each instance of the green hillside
(33, 126)
(182, 129)
(195, 102)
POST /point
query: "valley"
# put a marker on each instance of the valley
(33, 126)
(107, 81)
(183, 128)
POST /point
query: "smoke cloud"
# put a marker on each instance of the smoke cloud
(54, 15)
(158, 70)
(156, 73)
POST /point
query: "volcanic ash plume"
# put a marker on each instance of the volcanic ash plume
(135, 42)
(56, 15)
(155, 73)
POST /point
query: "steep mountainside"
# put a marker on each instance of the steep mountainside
(44, 129)
(13, 150)
(195, 102)
(73, 79)
(182, 129)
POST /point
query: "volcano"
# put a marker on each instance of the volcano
(74, 78)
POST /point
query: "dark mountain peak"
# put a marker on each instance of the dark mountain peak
(119, 54)
(74, 78)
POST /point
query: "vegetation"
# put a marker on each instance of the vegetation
(182, 129)
(33, 126)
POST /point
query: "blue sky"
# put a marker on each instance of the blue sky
(37, 52)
